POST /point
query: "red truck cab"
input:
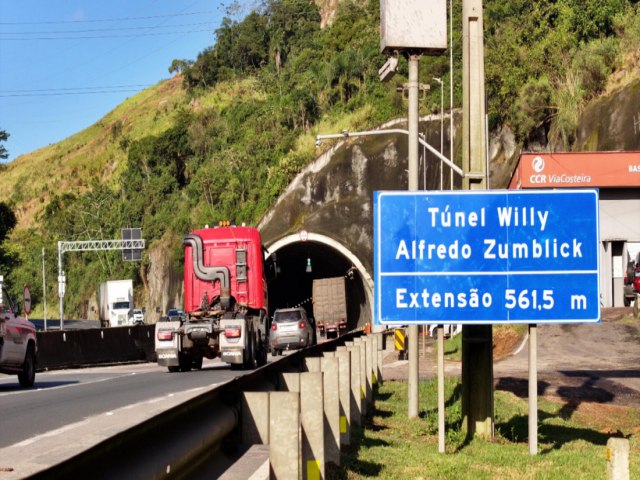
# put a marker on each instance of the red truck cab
(233, 260)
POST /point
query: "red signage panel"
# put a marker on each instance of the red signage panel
(577, 170)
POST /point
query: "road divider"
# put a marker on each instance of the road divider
(302, 405)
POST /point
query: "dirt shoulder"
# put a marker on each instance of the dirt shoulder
(584, 366)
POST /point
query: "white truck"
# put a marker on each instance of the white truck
(115, 303)
(18, 342)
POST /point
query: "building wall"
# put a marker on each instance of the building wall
(619, 229)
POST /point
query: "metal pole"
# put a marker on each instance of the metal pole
(413, 185)
(60, 292)
(451, 156)
(44, 294)
(477, 339)
(439, 80)
(533, 390)
(388, 131)
(441, 116)
(441, 446)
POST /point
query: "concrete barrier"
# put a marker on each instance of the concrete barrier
(365, 378)
(190, 432)
(617, 459)
(96, 346)
(312, 425)
(331, 409)
(284, 435)
(255, 418)
(344, 380)
(357, 390)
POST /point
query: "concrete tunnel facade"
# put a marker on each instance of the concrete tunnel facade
(326, 216)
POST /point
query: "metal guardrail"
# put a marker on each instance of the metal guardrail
(173, 443)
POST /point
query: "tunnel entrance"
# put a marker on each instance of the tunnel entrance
(293, 267)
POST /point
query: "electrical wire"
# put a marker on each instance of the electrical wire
(115, 29)
(122, 19)
(95, 37)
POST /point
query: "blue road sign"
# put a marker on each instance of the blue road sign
(486, 257)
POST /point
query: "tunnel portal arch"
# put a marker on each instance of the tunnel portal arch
(291, 285)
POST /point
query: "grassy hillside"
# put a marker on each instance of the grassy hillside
(97, 153)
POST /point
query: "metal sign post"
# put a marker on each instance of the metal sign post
(413, 28)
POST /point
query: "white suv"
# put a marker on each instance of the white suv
(138, 317)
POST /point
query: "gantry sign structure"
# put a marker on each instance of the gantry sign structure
(131, 248)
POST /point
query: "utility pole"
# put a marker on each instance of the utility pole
(477, 340)
(44, 294)
(413, 117)
(412, 28)
(451, 155)
(441, 83)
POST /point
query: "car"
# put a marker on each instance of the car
(18, 341)
(137, 318)
(291, 329)
(175, 314)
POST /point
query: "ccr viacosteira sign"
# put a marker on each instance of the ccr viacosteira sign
(486, 257)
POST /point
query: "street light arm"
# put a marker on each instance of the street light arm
(346, 134)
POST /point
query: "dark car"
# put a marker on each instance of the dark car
(174, 314)
(290, 329)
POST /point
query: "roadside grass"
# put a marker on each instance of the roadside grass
(390, 445)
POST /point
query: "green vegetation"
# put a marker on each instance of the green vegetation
(224, 138)
(4, 136)
(571, 443)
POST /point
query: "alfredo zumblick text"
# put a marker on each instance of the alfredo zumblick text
(437, 218)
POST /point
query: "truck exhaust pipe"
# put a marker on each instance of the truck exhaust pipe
(211, 274)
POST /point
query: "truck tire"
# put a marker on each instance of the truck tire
(262, 351)
(174, 368)
(197, 363)
(185, 362)
(28, 374)
(250, 349)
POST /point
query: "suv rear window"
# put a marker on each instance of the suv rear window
(290, 316)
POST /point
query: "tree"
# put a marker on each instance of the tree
(4, 136)
(179, 66)
(8, 220)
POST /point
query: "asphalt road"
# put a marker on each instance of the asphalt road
(68, 411)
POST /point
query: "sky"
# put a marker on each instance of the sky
(64, 64)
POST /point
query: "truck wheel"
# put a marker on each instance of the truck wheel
(262, 351)
(174, 368)
(250, 348)
(185, 362)
(28, 374)
(197, 363)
